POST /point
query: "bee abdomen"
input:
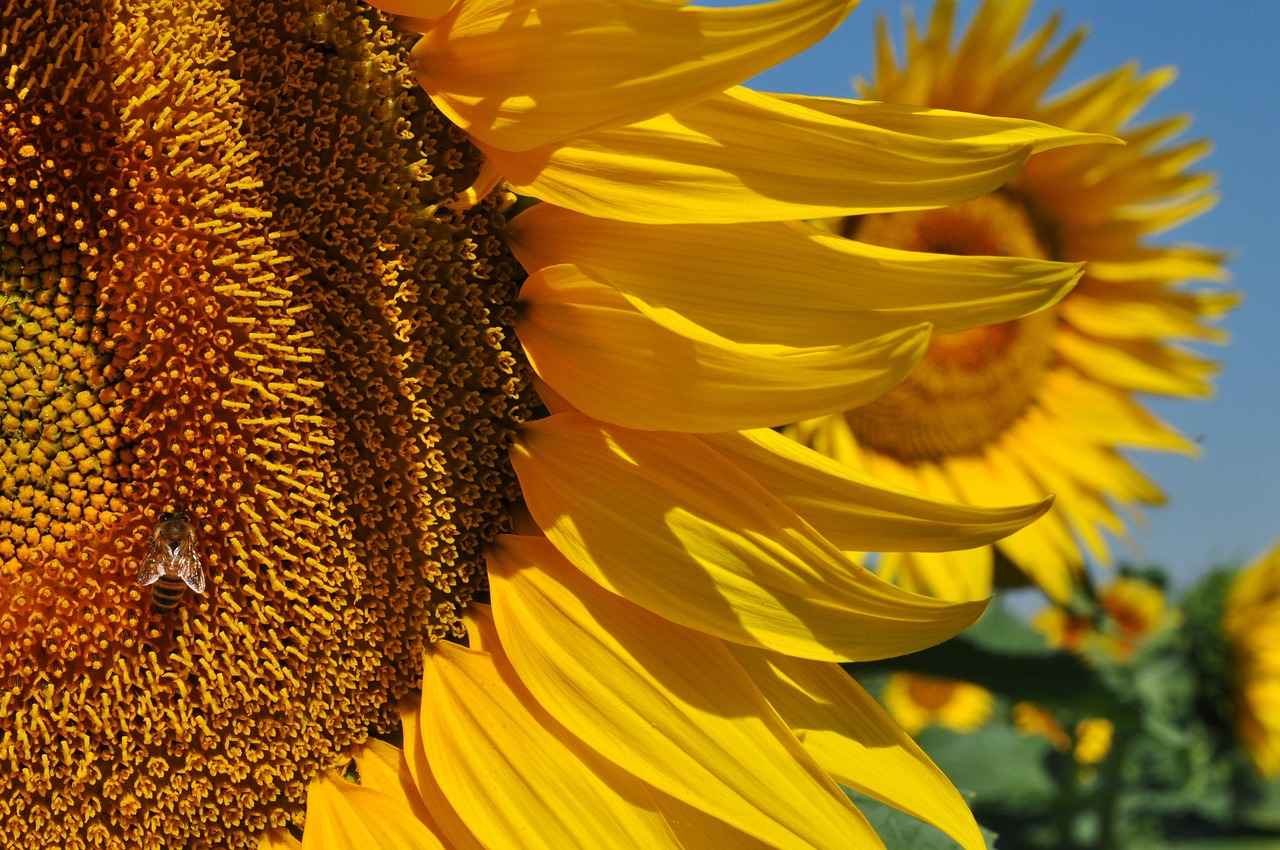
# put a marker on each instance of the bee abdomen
(166, 593)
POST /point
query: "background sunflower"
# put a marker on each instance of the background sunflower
(1047, 403)
(1222, 509)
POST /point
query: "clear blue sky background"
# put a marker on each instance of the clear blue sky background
(1224, 506)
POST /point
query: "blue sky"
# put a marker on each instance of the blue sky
(1224, 506)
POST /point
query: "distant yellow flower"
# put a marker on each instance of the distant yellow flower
(1251, 625)
(250, 273)
(1092, 736)
(1032, 719)
(1130, 609)
(1042, 404)
(919, 701)
(1093, 740)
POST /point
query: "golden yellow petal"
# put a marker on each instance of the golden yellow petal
(1107, 415)
(663, 520)
(816, 288)
(278, 839)
(919, 125)
(695, 828)
(963, 574)
(746, 156)
(666, 703)
(519, 779)
(1130, 314)
(856, 741)
(417, 11)
(384, 768)
(345, 816)
(857, 512)
(1138, 366)
(457, 835)
(518, 77)
(663, 372)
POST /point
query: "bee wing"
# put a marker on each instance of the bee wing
(151, 565)
(187, 566)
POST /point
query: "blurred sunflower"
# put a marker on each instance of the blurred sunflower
(1251, 626)
(1090, 744)
(249, 273)
(1043, 404)
(1128, 611)
(917, 701)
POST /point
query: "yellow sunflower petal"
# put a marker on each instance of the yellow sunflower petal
(963, 574)
(580, 65)
(1164, 315)
(857, 512)
(816, 288)
(457, 835)
(1107, 414)
(345, 816)
(517, 777)
(619, 365)
(746, 156)
(1139, 367)
(417, 11)
(671, 705)
(278, 839)
(856, 741)
(695, 828)
(921, 123)
(385, 768)
(665, 521)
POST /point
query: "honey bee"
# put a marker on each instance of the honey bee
(173, 564)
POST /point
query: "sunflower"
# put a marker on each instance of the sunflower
(1090, 744)
(259, 304)
(1046, 403)
(1251, 627)
(1129, 611)
(917, 701)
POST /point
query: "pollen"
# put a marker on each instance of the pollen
(231, 285)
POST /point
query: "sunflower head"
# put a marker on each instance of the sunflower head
(1047, 402)
(227, 289)
(1127, 611)
(252, 278)
(1250, 624)
(918, 701)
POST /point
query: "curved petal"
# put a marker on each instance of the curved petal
(855, 511)
(962, 574)
(816, 288)
(663, 520)
(518, 75)
(419, 12)
(746, 156)
(516, 776)
(385, 768)
(278, 839)
(457, 835)
(345, 816)
(617, 364)
(668, 704)
(857, 742)
(1139, 366)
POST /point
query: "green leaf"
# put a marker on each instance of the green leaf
(994, 766)
(899, 830)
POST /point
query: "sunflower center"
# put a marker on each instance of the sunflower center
(230, 287)
(973, 385)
